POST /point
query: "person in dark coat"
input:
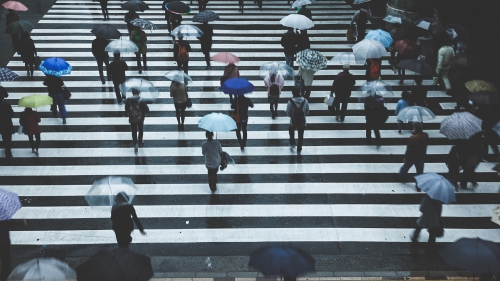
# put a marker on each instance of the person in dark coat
(140, 39)
(416, 150)
(307, 13)
(116, 72)
(453, 163)
(373, 104)
(10, 18)
(469, 155)
(289, 43)
(27, 50)
(129, 16)
(6, 126)
(123, 217)
(296, 103)
(5, 247)
(104, 9)
(240, 105)
(137, 127)
(430, 219)
(29, 119)
(303, 42)
(342, 88)
(175, 21)
(361, 18)
(101, 56)
(206, 41)
(181, 64)
(54, 87)
(202, 5)
(259, 4)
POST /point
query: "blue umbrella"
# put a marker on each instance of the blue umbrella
(473, 254)
(437, 187)
(9, 204)
(380, 35)
(237, 86)
(55, 67)
(217, 122)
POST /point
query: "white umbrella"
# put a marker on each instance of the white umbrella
(179, 76)
(348, 58)
(393, 19)
(369, 49)
(122, 46)
(300, 3)
(43, 269)
(357, 2)
(187, 30)
(415, 113)
(147, 89)
(217, 122)
(297, 21)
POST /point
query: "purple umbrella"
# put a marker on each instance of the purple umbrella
(9, 204)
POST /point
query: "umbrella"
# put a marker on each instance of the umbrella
(119, 264)
(19, 26)
(7, 75)
(484, 97)
(376, 87)
(206, 16)
(357, 2)
(14, 5)
(456, 30)
(143, 24)
(178, 7)
(43, 269)
(393, 19)
(473, 254)
(122, 46)
(369, 49)
(35, 101)
(135, 5)
(185, 30)
(380, 35)
(106, 31)
(418, 66)
(480, 85)
(437, 187)
(348, 58)
(297, 21)
(460, 125)
(415, 113)
(407, 48)
(55, 67)
(179, 76)
(282, 260)
(300, 3)
(217, 122)
(225, 57)
(276, 67)
(434, 26)
(104, 191)
(311, 60)
(237, 86)
(10, 204)
(147, 89)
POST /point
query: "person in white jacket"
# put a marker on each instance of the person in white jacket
(445, 55)
(274, 84)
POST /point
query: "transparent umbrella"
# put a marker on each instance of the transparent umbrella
(415, 113)
(297, 21)
(43, 269)
(179, 76)
(299, 3)
(104, 191)
(369, 49)
(147, 89)
(122, 46)
(276, 67)
(377, 87)
(348, 58)
(187, 30)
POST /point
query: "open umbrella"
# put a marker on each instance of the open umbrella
(106, 31)
(437, 187)
(415, 113)
(135, 5)
(19, 26)
(348, 58)
(473, 254)
(393, 19)
(179, 76)
(7, 74)
(311, 60)
(376, 87)
(434, 26)
(9, 204)
(484, 97)
(407, 48)
(225, 58)
(217, 122)
(122, 46)
(380, 35)
(297, 21)
(55, 67)
(369, 49)
(35, 101)
(455, 31)
(143, 24)
(147, 90)
(206, 16)
(177, 7)
(418, 66)
(480, 85)
(460, 125)
(43, 269)
(300, 3)
(237, 86)
(185, 30)
(276, 67)
(104, 191)
(14, 5)
(357, 2)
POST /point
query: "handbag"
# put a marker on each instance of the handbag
(329, 100)
(235, 115)
(223, 161)
(66, 93)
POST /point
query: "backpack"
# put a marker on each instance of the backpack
(182, 54)
(298, 116)
(274, 90)
(135, 113)
(374, 69)
(362, 17)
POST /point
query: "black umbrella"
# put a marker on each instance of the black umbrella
(418, 66)
(473, 254)
(484, 97)
(178, 7)
(119, 264)
(106, 31)
(205, 16)
(135, 5)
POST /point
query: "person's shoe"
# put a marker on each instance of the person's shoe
(142, 144)
(401, 83)
(337, 118)
(208, 67)
(298, 152)
(120, 102)
(214, 189)
(418, 188)
(103, 81)
(456, 186)
(399, 132)
(140, 71)
(64, 121)
(104, 19)
(36, 151)
(136, 148)
(474, 184)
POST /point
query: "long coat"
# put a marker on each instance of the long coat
(306, 75)
(29, 120)
(206, 38)
(431, 213)
(6, 114)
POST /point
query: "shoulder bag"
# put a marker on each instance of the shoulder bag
(65, 92)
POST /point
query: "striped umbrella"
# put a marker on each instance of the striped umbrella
(9, 204)
(460, 126)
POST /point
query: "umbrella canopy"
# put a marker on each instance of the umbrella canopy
(376, 87)
(206, 16)
(135, 5)
(185, 30)
(9, 204)
(357, 2)
(122, 46)
(311, 60)
(35, 101)
(103, 192)
(177, 7)
(19, 26)
(282, 260)
(480, 85)
(418, 66)
(460, 125)
(14, 5)
(55, 67)
(473, 254)
(407, 48)
(217, 122)
(393, 19)
(43, 269)
(297, 21)
(143, 24)
(7, 75)
(369, 49)
(348, 58)
(380, 35)
(300, 3)
(106, 31)
(455, 31)
(179, 76)
(435, 27)
(225, 57)
(147, 90)
(276, 67)
(415, 113)
(484, 97)
(119, 264)
(237, 86)
(437, 187)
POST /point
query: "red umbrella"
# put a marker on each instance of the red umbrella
(225, 57)
(14, 5)
(407, 48)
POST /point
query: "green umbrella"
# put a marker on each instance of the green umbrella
(480, 85)
(19, 27)
(35, 101)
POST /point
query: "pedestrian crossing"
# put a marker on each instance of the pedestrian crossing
(340, 191)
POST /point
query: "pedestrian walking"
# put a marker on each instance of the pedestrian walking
(116, 72)
(212, 150)
(139, 37)
(101, 56)
(167, 15)
(259, 4)
(289, 43)
(28, 53)
(240, 106)
(11, 17)
(373, 69)
(303, 41)
(430, 219)
(175, 21)
(129, 16)
(403, 103)
(402, 71)
(307, 76)
(181, 54)
(178, 91)
(341, 86)
(230, 71)
(29, 119)
(54, 87)
(206, 42)
(241, 5)
(373, 106)
(202, 5)
(274, 84)
(470, 153)
(104, 9)
(453, 163)
(445, 54)
(136, 109)
(418, 95)
(416, 150)
(361, 18)
(297, 109)
(123, 216)
(6, 126)
(5, 246)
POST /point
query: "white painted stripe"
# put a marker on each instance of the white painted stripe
(195, 46)
(160, 17)
(169, 38)
(213, 23)
(164, 31)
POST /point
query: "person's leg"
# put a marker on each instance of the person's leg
(368, 129)
(62, 107)
(207, 58)
(7, 143)
(177, 113)
(307, 91)
(400, 126)
(38, 140)
(244, 129)
(32, 68)
(100, 62)
(140, 128)
(419, 166)
(145, 61)
(336, 108)
(403, 171)
(431, 243)
(212, 179)
(446, 80)
(134, 126)
(416, 233)
(183, 112)
(53, 108)
(238, 133)
(344, 109)
(5, 258)
(179, 65)
(376, 131)
(276, 107)
(106, 62)
(138, 58)
(300, 132)
(123, 238)
(32, 143)
(271, 107)
(26, 66)
(117, 92)
(466, 175)
(291, 133)
(186, 67)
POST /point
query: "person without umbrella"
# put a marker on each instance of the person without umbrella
(178, 91)
(430, 219)
(104, 9)
(341, 86)
(212, 150)
(181, 54)
(445, 55)
(129, 16)
(307, 76)
(29, 119)
(6, 126)
(403, 103)
(167, 15)
(202, 5)
(28, 53)
(139, 37)
(241, 5)
(206, 41)
(274, 84)
(259, 4)
(361, 18)
(101, 56)
(136, 109)
(123, 216)
(54, 87)
(297, 109)
(240, 105)
(116, 72)
(416, 150)
(289, 43)
(373, 106)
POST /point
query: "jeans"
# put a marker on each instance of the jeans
(300, 131)
(100, 62)
(58, 102)
(138, 58)
(137, 127)
(443, 73)
(180, 112)
(289, 60)
(183, 65)
(242, 126)
(336, 105)
(212, 178)
(32, 143)
(118, 93)
(7, 144)
(419, 166)
(5, 257)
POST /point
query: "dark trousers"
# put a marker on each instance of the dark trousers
(123, 238)
(30, 68)
(207, 59)
(212, 178)
(104, 9)
(58, 102)
(419, 166)
(242, 126)
(401, 74)
(118, 92)
(183, 65)
(259, 3)
(241, 5)
(289, 60)
(7, 144)
(202, 5)
(32, 143)
(491, 139)
(5, 257)
(336, 106)
(100, 62)
(169, 25)
(469, 175)
(432, 238)
(138, 58)
(300, 131)
(137, 128)
(361, 31)
(180, 112)
(273, 106)
(372, 125)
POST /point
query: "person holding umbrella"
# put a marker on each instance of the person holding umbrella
(181, 54)
(289, 43)
(274, 84)
(136, 110)
(307, 75)
(240, 105)
(230, 71)
(29, 119)
(116, 72)
(6, 126)
(139, 37)
(178, 91)
(123, 216)
(28, 53)
(341, 86)
(470, 153)
(101, 56)
(297, 109)
(212, 150)
(416, 151)
(202, 5)
(206, 41)
(430, 219)
(373, 105)
(54, 87)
